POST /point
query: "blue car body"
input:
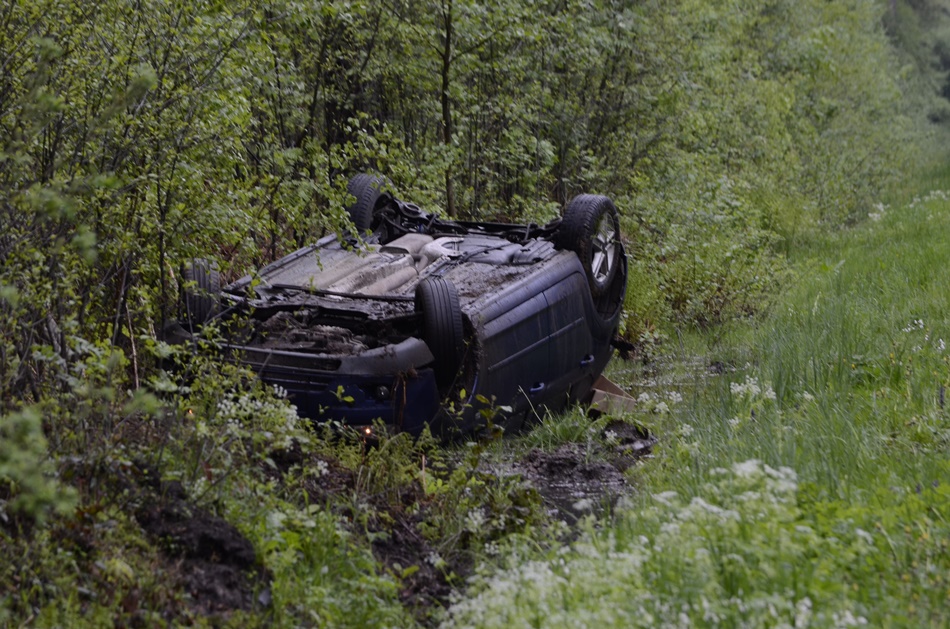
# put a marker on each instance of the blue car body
(434, 322)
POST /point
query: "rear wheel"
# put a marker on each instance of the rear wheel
(370, 191)
(200, 293)
(591, 229)
(438, 301)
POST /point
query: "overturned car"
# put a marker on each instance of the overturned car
(424, 320)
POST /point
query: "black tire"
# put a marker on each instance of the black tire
(369, 191)
(438, 301)
(200, 293)
(590, 228)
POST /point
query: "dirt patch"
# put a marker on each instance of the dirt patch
(405, 553)
(629, 444)
(393, 532)
(216, 562)
(574, 480)
(210, 568)
(570, 484)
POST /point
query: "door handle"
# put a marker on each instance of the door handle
(538, 387)
(586, 360)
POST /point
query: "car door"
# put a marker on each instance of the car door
(517, 353)
(536, 349)
(570, 344)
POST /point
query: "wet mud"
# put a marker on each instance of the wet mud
(216, 563)
(213, 569)
(574, 481)
(209, 567)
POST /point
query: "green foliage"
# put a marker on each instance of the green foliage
(135, 136)
(471, 506)
(320, 576)
(754, 154)
(921, 30)
(571, 426)
(28, 487)
(724, 558)
(138, 137)
(805, 488)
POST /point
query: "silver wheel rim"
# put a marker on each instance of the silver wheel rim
(603, 249)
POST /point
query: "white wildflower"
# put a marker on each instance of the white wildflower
(748, 388)
(474, 520)
(916, 324)
(864, 536)
(848, 619)
(803, 612)
(670, 528)
(878, 213)
(666, 498)
(661, 407)
(698, 504)
(321, 469)
(747, 469)
(584, 504)
(709, 615)
(275, 520)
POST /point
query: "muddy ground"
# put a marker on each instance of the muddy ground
(214, 570)
(206, 567)
(572, 483)
(569, 480)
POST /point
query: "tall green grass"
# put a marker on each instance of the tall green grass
(808, 486)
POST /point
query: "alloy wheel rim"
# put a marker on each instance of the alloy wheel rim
(604, 249)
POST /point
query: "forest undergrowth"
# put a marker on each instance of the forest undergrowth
(785, 304)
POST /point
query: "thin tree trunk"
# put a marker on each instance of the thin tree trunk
(447, 105)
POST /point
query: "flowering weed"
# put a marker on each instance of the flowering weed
(808, 488)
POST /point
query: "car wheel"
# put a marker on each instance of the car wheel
(590, 228)
(201, 287)
(438, 301)
(368, 190)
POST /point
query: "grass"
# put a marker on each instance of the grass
(808, 485)
(800, 479)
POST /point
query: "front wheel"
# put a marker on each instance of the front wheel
(200, 293)
(438, 301)
(590, 228)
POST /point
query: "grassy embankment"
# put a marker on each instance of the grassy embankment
(809, 485)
